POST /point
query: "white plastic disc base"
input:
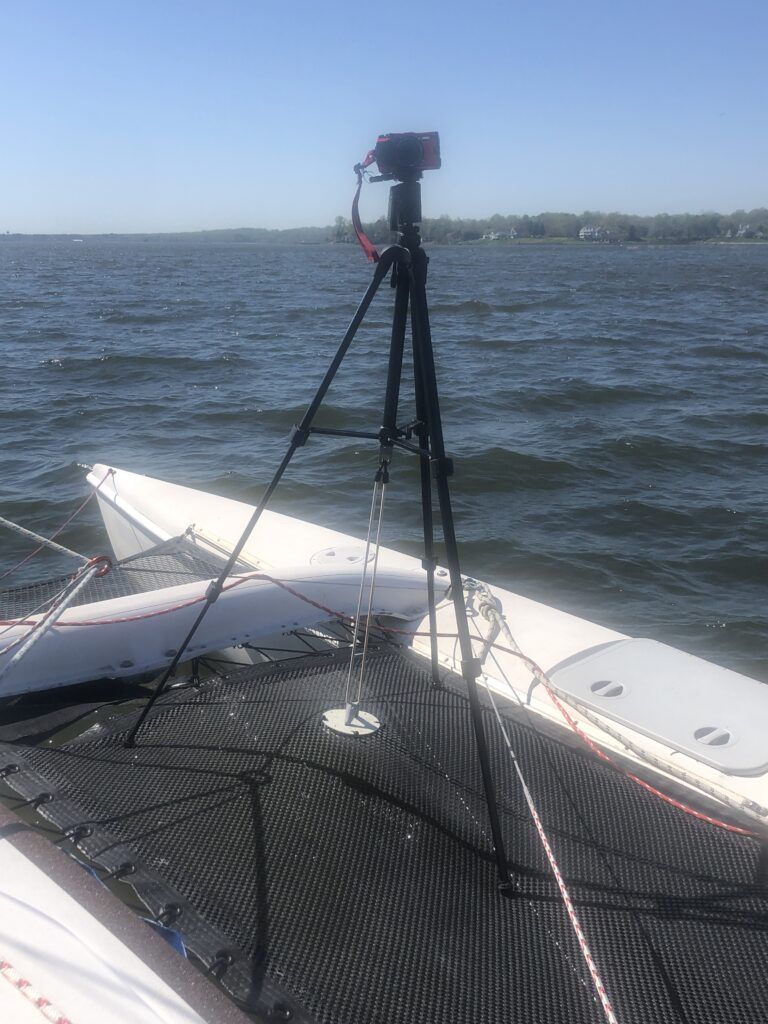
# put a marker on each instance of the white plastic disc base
(363, 723)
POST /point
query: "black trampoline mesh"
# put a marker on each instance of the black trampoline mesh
(352, 879)
(169, 564)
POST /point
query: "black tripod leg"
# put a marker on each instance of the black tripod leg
(470, 668)
(395, 368)
(299, 437)
(427, 518)
(394, 254)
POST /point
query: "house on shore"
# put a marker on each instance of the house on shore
(496, 236)
(748, 231)
(593, 233)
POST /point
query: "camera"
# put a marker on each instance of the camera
(405, 155)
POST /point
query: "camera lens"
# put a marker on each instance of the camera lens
(410, 151)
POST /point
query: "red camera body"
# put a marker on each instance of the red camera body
(409, 152)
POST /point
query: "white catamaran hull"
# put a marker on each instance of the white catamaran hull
(133, 635)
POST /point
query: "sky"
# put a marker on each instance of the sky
(172, 116)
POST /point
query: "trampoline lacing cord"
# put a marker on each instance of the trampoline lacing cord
(45, 1006)
(379, 490)
(586, 952)
(49, 542)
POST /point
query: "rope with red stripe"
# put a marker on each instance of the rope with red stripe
(545, 681)
(586, 952)
(44, 1005)
(236, 582)
(599, 752)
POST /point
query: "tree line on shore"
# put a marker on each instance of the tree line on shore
(590, 225)
(742, 225)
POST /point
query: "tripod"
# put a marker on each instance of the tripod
(407, 262)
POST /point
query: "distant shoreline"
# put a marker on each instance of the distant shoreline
(590, 227)
(214, 238)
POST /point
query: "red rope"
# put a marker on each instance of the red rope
(547, 684)
(186, 604)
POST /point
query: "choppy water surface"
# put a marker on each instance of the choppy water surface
(607, 408)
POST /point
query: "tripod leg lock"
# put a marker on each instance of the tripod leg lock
(429, 564)
(213, 591)
(442, 468)
(471, 668)
(299, 436)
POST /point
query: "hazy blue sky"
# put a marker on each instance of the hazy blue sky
(138, 116)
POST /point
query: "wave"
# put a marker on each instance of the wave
(581, 394)
(479, 307)
(138, 361)
(730, 350)
(497, 469)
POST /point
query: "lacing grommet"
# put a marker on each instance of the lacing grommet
(280, 1012)
(221, 962)
(126, 868)
(80, 832)
(169, 912)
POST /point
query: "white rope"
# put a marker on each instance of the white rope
(38, 631)
(42, 540)
(561, 950)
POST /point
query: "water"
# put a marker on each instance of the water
(606, 407)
